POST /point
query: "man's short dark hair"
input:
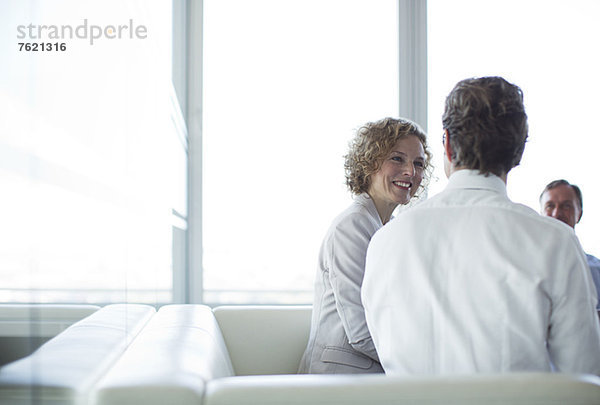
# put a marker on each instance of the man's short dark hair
(562, 182)
(487, 125)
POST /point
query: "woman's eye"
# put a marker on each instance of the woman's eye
(397, 159)
(419, 164)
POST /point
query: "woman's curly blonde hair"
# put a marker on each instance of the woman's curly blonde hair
(372, 143)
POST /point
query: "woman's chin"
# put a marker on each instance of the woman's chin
(403, 200)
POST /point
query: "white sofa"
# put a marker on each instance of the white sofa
(190, 354)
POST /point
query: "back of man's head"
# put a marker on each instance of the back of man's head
(487, 125)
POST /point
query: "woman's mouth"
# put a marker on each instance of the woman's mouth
(402, 184)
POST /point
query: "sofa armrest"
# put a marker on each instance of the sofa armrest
(265, 339)
(64, 369)
(25, 327)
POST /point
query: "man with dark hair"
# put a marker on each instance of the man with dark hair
(470, 282)
(563, 201)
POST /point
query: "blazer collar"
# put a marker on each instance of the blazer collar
(365, 200)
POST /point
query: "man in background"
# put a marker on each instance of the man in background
(470, 282)
(563, 201)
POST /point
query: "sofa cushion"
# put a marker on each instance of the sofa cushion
(169, 361)
(514, 389)
(264, 339)
(65, 368)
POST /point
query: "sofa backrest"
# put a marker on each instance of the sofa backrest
(265, 339)
(169, 362)
(513, 389)
(64, 369)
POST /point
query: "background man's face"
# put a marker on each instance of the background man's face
(561, 203)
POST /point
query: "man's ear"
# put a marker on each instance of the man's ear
(579, 219)
(447, 147)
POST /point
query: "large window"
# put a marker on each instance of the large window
(92, 152)
(547, 48)
(285, 85)
(94, 149)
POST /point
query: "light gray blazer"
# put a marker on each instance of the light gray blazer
(339, 340)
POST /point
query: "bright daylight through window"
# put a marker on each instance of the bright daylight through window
(285, 85)
(91, 164)
(94, 149)
(549, 50)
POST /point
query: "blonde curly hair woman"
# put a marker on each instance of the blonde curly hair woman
(387, 165)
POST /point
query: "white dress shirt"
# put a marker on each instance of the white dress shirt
(470, 282)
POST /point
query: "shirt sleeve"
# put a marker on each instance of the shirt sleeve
(349, 248)
(574, 332)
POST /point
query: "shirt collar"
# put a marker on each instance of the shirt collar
(472, 179)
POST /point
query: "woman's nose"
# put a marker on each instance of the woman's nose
(409, 169)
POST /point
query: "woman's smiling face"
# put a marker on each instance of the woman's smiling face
(400, 174)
